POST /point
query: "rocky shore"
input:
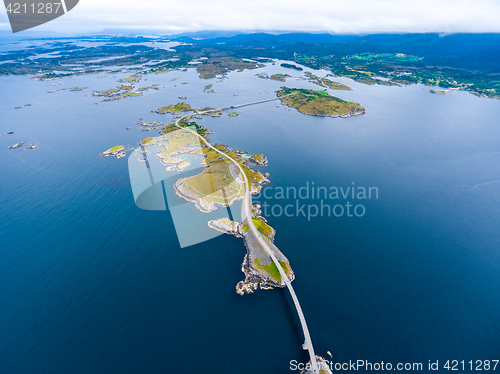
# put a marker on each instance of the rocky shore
(201, 204)
(259, 159)
(118, 152)
(18, 145)
(351, 113)
(226, 226)
(257, 264)
(31, 146)
(258, 267)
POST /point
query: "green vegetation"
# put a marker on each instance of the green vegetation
(179, 141)
(279, 77)
(371, 57)
(323, 82)
(318, 103)
(148, 141)
(199, 129)
(216, 113)
(161, 71)
(215, 184)
(259, 159)
(275, 77)
(177, 108)
(233, 114)
(115, 149)
(331, 84)
(271, 269)
(135, 78)
(211, 155)
(108, 92)
(215, 66)
(423, 60)
(254, 176)
(290, 66)
(208, 87)
(127, 94)
(437, 92)
(262, 226)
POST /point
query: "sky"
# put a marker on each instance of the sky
(333, 16)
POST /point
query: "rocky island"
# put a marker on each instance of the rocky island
(174, 109)
(118, 151)
(31, 146)
(18, 145)
(274, 77)
(326, 83)
(259, 159)
(318, 103)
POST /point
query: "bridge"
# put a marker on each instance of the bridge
(247, 215)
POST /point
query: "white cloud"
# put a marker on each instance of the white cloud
(353, 16)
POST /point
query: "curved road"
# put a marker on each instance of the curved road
(247, 202)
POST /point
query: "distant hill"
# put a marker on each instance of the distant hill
(465, 51)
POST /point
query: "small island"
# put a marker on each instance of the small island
(233, 114)
(318, 103)
(118, 151)
(123, 92)
(274, 77)
(441, 92)
(174, 109)
(259, 159)
(291, 66)
(31, 146)
(18, 145)
(326, 83)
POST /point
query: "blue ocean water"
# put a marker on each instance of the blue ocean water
(89, 283)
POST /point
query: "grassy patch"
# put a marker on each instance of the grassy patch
(263, 227)
(279, 77)
(271, 269)
(148, 141)
(215, 183)
(177, 108)
(115, 149)
(135, 78)
(108, 92)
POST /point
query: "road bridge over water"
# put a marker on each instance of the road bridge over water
(247, 216)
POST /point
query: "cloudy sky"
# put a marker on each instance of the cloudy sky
(348, 16)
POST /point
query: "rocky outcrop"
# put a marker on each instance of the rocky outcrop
(258, 276)
(259, 159)
(226, 226)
